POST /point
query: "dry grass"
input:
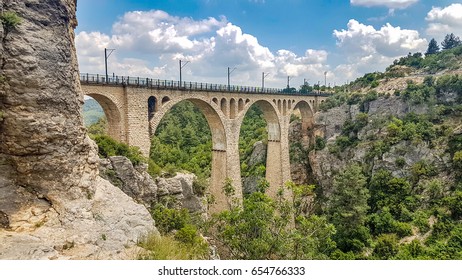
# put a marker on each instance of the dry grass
(158, 247)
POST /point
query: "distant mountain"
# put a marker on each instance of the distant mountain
(92, 111)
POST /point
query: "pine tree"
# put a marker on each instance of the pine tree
(347, 209)
(450, 41)
(432, 47)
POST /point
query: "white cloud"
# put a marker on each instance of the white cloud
(445, 20)
(211, 45)
(149, 44)
(369, 50)
(392, 4)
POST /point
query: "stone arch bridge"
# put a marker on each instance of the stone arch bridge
(134, 108)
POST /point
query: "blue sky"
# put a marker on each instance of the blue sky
(297, 38)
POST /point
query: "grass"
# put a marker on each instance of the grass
(158, 247)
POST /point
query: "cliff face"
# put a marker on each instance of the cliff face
(50, 192)
(374, 147)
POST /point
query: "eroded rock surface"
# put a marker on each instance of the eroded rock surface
(52, 202)
(138, 184)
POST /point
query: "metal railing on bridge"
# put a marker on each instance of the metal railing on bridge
(86, 78)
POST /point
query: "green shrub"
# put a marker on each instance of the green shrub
(190, 236)
(383, 222)
(386, 247)
(199, 186)
(153, 169)
(168, 219)
(343, 142)
(109, 147)
(10, 21)
(412, 250)
(422, 169)
(98, 128)
(457, 161)
(400, 162)
(320, 143)
(421, 221)
(454, 203)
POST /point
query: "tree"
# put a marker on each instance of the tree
(450, 41)
(347, 209)
(432, 47)
(261, 228)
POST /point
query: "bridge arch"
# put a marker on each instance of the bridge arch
(273, 153)
(113, 115)
(219, 164)
(212, 115)
(306, 114)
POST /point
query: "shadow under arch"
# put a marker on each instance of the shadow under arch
(306, 114)
(273, 154)
(113, 116)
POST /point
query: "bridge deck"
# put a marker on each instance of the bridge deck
(86, 78)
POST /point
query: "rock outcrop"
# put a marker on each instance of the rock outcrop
(52, 202)
(138, 184)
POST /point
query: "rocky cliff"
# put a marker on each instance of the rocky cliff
(53, 204)
(364, 134)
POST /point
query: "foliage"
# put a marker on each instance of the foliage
(449, 84)
(182, 141)
(333, 101)
(386, 247)
(450, 41)
(320, 143)
(454, 203)
(350, 131)
(109, 147)
(411, 127)
(179, 224)
(199, 186)
(432, 47)
(168, 248)
(261, 229)
(98, 128)
(446, 59)
(10, 20)
(383, 222)
(168, 219)
(392, 193)
(347, 209)
(419, 93)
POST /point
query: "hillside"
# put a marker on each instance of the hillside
(398, 137)
(413, 67)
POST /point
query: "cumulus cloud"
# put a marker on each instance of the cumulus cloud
(150, 43)
(211, 45)
(368, 49)
(445, 20)
(392, 4)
